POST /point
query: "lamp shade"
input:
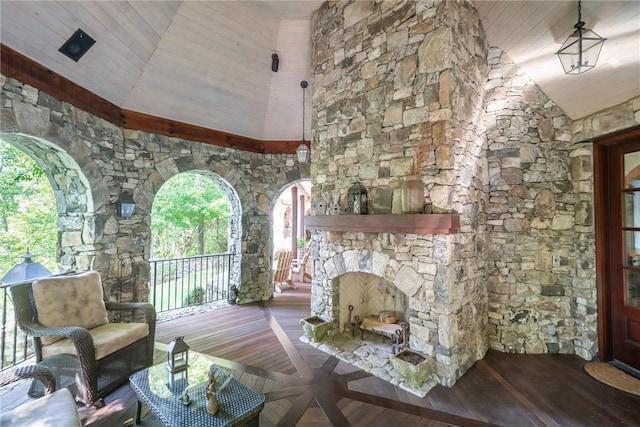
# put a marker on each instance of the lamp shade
(26, 270)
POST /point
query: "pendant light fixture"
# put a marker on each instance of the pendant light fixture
(303, 150)
(580, 52)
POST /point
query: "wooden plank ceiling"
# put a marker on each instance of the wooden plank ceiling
(208, 63)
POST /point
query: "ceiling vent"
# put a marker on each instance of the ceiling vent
(77, 45)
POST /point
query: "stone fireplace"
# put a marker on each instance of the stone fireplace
(390, 77)
(412, 275)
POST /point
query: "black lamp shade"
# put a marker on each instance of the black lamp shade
(26, 270)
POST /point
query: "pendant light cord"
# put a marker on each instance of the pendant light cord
(303, 85)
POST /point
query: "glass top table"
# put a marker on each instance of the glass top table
(238, 404)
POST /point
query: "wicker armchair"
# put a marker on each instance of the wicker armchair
(56, 408)
(69, 315)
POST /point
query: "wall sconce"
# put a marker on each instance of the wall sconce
(580, 52)
(177, 360)
(275, 62)
(303, 150)
(125, 205)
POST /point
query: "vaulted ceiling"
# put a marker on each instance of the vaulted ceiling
(208, 63)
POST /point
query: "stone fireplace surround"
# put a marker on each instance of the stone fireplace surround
(409, 272)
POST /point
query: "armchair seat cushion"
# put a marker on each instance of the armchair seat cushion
(107, 339)
(53, 410)
(62, 302)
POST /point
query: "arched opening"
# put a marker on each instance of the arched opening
(195, 229)
(27, 210)
(291, 240)
(73, 206)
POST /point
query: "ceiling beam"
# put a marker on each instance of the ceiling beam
(19, 67)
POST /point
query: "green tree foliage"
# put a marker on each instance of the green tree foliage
(27, 210)
(190, 216)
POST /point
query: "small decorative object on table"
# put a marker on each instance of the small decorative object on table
(212, 403)
(177, 360)
(357, 199)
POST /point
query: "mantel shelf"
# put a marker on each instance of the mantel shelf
(404, 224)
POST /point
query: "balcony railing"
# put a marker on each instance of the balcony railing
(14, 347)
(175, 283)
(182, 282)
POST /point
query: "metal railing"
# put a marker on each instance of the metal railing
(182, 282)
(14, 347)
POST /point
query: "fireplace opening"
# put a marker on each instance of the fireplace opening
(372, 309)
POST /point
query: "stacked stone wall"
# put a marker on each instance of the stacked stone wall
(90, 162)
(540, 217)
(389, 77)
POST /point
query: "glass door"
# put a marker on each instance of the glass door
(625, 251)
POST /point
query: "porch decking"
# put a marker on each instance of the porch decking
(306, 387)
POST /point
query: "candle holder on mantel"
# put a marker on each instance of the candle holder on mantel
(357, 199)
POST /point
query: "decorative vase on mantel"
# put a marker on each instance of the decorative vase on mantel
(412, 192)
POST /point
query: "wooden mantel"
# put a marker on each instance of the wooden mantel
(407, 224)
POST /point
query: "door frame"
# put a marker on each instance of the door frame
(601, 194)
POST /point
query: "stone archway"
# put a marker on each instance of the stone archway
(74, 200)
(234, 243)
(283, 216)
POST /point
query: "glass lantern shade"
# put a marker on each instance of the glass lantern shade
(581, 50)
(357, 199)
(302, 152)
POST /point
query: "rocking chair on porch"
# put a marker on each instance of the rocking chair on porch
(282, 270)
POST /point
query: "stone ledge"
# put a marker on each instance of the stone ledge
(404, 224)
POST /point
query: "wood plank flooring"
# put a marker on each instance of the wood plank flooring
(305, 387)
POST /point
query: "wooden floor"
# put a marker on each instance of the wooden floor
(306, 387)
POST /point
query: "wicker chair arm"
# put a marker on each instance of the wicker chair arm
(74, 333)
(30, 371)
(148, 309)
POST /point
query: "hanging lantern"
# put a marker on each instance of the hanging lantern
(580, 52)
(302, 152)
(357, 199)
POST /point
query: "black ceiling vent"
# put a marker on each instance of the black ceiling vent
(77, 45)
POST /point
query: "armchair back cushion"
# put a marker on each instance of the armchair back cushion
(70, 301)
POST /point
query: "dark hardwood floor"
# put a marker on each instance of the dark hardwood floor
(303, 386)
